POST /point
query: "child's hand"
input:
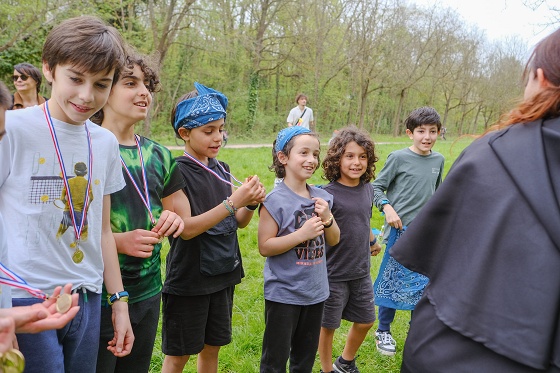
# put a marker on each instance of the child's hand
(392, 217)
(375, 249)
(251, 192)
(139, 242)
(322, 209)
(169, 223)
(43, 316)
(7, 334)
(123, 337)
(311, 229)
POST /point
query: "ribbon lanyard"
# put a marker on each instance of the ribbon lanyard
(145, 197)
(16, 281)
(77, 229)
(213, 172)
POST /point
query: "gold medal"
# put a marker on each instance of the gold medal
(63, 303)
(78, 256)
(13, 361)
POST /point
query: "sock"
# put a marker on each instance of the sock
(343, 361)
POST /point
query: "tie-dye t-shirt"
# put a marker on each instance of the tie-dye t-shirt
(142, 276)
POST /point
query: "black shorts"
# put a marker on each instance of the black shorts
(191, 322)
(349, 300)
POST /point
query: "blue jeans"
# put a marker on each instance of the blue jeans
(70, 349)
(386, 316)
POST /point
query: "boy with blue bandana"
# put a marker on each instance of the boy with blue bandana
(204, 263)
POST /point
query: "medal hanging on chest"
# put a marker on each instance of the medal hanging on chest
(145, 194)
(78, 218)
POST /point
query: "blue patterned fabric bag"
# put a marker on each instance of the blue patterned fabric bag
(397, 286)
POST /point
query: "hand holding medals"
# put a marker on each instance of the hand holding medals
(252, 192)
(169, 223)
(53, 313)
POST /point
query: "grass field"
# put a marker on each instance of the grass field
(243, 354)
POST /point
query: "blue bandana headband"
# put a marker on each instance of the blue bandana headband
(286, 134)
(208, 106)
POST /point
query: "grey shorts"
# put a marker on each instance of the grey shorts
(349, 300)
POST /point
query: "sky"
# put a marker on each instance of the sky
(501, 18)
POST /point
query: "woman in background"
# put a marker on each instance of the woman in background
(27, 81)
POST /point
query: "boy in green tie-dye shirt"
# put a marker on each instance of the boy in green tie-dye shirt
(141, 214)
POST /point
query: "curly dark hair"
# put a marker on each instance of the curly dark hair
(331, 164)
(277, 167)
(145, 64)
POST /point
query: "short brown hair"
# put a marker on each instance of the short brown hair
(85, 42)
(299, 96)
(421, 116)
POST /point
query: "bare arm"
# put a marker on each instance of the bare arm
(332, 233)
(392, 217)
(122, 342)
(376, 247)
(270, 245)
(250, 193)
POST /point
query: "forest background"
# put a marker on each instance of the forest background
(363, 62)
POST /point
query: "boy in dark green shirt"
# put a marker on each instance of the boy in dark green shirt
(141, 213)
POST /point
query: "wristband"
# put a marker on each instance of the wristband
(252, 207)
(230, 210)
(329, 222)
(121, 295)
(371, 243)
(230, 203)
(382, 204)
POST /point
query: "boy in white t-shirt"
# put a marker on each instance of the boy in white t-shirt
(29, 319)
(39, 152)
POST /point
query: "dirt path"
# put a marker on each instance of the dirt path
(245, 146)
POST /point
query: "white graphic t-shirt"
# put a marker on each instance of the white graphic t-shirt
(40, 232)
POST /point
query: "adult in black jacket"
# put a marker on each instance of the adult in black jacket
(489, 240)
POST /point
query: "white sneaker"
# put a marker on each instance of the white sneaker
(386, 345)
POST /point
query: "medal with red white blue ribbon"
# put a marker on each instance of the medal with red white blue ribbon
(213, 172)
(78, 255)
(145, 196)
(63, 301)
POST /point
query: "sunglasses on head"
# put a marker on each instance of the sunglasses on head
(22, 76)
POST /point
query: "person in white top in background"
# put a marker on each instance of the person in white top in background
(301, 115)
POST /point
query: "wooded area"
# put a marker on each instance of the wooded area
(366, 62)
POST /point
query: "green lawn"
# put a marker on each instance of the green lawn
(243, 354)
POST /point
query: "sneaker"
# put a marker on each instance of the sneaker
(341, 367)
(386, 345)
